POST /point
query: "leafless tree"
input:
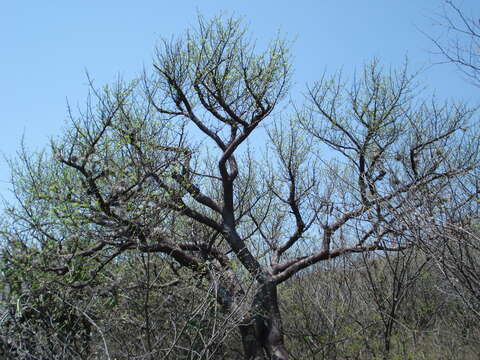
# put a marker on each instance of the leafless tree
(459, 42)
(453, 240)
(389, 287)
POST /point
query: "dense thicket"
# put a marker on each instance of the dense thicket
(346, 310)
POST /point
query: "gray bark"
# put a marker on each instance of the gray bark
(262, 331)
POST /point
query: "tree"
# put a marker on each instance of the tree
(461, 43)
(340, 173)
(454, 242)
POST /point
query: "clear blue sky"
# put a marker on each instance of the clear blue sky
(46, 46)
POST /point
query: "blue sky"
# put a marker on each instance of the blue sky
(47, 46)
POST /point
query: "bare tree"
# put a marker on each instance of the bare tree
(453, 242)
(460, 42)
(387, 288)
(339, 172)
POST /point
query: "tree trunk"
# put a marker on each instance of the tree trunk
(262, 331)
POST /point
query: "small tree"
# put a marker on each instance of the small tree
(339, 173)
